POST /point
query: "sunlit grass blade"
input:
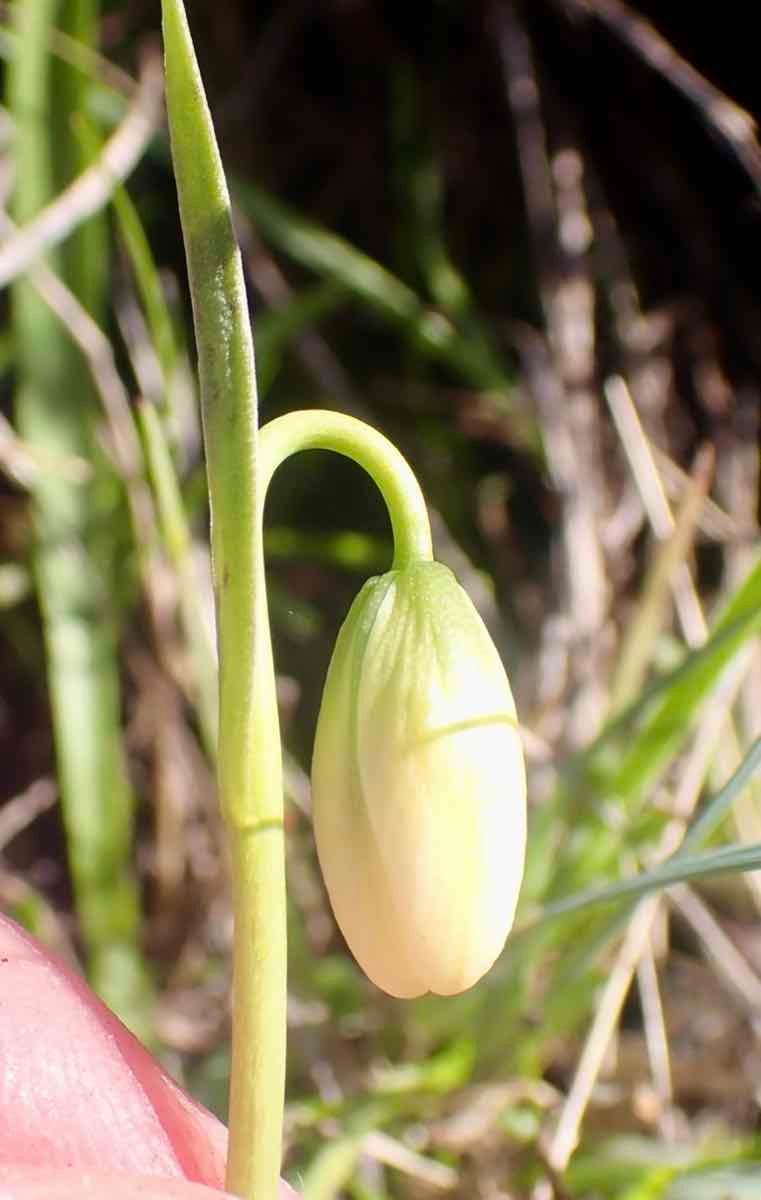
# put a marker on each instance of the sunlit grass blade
(736, 1181)
(640, 638)
(670, 718)
(598, 925)
(599, 812)
(55, 411)
(176, 537)
(631, 1167)
(148, 282)
(709, 819)
(624, 760)
(332, 1168)
(707, 864)
(686, 863)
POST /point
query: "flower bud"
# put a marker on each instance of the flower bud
(419, 792)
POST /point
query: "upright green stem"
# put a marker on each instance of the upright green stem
(256, 816)
(260, 959)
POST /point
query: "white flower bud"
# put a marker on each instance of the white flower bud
(419, 790)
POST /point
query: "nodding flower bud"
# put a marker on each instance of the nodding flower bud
(419, 791)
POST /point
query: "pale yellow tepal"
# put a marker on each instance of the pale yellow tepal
(419, 785)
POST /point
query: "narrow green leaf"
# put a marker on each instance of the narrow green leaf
(628, 754)
(671, 717)
(682, 865)
(249, 756)
(228, 392)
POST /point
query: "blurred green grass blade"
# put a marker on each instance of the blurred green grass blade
(332, 257)
(715, 810)
(108, 80)
(707, 864)
(162, 473)
(74, 523)
(736, 1181)
(669, 720)
(684, 864)
(618, 1165)
(626, 758)
(421, 197)
(334, 1164)
(7, 351)
(332, 1168)
(442, 1071)
(349, 549)
(277, 327)
(628, 754)
(84, 254)
(421, 204)
(176, 538)
(166, 486)
(652, 1186)
(654, 602)
(631, 1167)
(148, 281)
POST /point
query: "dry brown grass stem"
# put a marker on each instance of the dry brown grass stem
(91, 190)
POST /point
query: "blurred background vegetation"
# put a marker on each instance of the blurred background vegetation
(524, 240)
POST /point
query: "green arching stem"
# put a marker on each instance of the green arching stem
(256, 816)
(240, 463)
(320, 429)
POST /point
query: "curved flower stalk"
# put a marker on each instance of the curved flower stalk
(419, 785)
(418, 781)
